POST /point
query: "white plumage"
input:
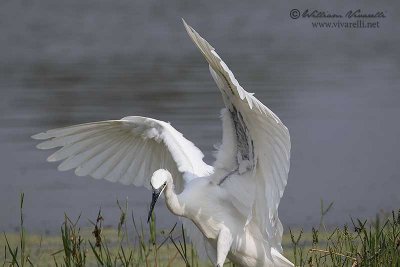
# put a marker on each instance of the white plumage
(228, 210)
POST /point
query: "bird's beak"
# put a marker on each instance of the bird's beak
(155, 196)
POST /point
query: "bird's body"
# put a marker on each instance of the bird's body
(214, 213)
(208, 206)
(230, 208)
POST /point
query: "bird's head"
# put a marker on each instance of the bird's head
(158, 183)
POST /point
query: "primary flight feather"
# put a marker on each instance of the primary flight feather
(230, 209)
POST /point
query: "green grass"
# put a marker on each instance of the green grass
(133, 243)
(362, 243)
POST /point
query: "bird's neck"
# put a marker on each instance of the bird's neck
(172, 200)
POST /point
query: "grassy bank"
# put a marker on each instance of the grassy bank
(133, 243)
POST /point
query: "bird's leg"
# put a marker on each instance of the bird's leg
(224, 243)
(211, 251)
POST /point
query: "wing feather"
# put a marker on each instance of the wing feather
(79, 152)
(127, 150)
(68, 139)
(115, 159)
(74, 148)
(123, 162)
(143, 162)
(111, 160)
(104, 151)
(65, 131)
(255, 149)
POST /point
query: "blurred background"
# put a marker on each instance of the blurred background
(70, 62)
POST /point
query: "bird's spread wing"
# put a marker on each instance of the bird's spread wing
(253, 160)
(127, 150)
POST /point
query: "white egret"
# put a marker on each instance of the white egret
(229, 209)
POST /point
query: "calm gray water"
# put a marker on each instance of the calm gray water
(70, 62)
